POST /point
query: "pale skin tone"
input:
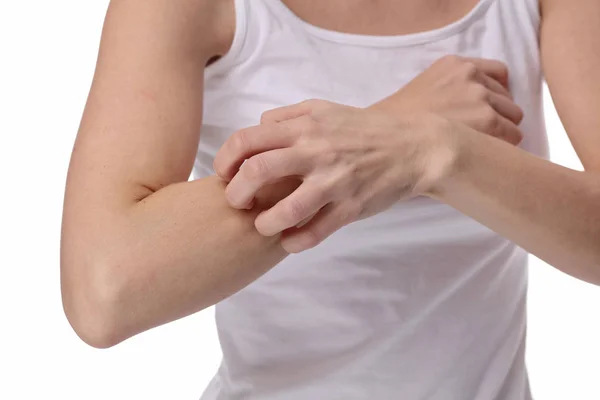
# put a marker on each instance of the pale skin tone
(141, 246)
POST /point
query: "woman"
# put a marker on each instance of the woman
(409, 191)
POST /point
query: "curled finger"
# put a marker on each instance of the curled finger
(291, 211)
(261, 170)
(508, 131)
(495, 86)
(506, 108)
(248, 142)
(495, 69)
(327, 221)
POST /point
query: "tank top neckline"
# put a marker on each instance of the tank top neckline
(410, 39)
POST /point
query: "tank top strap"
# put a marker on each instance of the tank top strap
(526, 11)
(255, 20)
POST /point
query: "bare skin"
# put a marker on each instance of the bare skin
(551, 211)
(381, 17)
(141, 246)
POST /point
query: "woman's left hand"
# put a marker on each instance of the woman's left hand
(353, 163)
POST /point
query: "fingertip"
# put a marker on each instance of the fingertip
(263, 226)
(291, 246)
(233, 199)
(298, 243)
(518, 140)
(520, 115)
(515, 138)
(271, 116)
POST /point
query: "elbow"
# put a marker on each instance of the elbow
(92, 309)
(94, 333)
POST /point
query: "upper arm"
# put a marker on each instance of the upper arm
(141, 123)
(570, 48)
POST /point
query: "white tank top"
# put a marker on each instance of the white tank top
(418, 302)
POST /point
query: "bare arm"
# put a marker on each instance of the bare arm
(362, 161)
(550, 210)
(141, 246)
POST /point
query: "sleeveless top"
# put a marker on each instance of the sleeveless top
(418, 302)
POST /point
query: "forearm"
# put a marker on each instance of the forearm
(177, 251)
(549, 210)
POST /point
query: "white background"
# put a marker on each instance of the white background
(47, 56)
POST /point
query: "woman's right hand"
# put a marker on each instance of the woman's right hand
(472, 91)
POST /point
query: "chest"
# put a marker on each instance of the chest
(381, 17)
(288, 57)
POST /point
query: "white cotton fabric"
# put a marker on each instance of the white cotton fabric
(419, 302)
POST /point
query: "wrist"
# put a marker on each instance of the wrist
(444, 146)
(393, 105)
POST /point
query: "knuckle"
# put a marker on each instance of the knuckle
(490, 119)
(220, 168)
(295, 210)
(217, 167)
(239, 141)
(327, 157)
(266, 117)
(311, 237)
(325, 105)
(256, 168)
(479, 92)
(469, 70)
(311, 103)
(307, 125)
(450, 60)
(317, 103)
(325, 192)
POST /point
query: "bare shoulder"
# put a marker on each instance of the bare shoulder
(550, 6)
(206, 26)
(225, 15)
(221, 19)
(569, 41)
(147, 85)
